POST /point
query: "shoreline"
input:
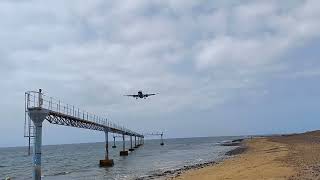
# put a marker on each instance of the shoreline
(246, 164)
(174, 173)
(170, 174)
(292, 157)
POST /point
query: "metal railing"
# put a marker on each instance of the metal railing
(153, 134)
(34, 99)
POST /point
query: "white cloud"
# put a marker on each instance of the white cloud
(197, 54)
(140, 41)
(261, 33)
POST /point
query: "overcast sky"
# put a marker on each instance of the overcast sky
(221, 67)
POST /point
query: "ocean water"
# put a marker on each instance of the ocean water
(81, 161)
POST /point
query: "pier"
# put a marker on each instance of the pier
(39, 108)
(156, 134)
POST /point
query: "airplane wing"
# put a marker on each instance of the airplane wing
(147, 95)
(132, 95)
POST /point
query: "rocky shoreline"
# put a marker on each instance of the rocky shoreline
(236, 151)
(170, 174)
(236, 142)
(176, 172)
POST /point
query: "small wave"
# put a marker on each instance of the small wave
(58, 174)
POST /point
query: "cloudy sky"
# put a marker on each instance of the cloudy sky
(221, 67)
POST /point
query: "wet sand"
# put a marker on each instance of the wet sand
(290, 157)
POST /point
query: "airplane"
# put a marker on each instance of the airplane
(140, 95)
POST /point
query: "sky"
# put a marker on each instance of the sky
(220, 67)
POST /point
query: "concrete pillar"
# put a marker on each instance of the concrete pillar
(106, 162)
(114, 142)
(135, 142)
(37, 116)
(131, 148)
(162, 143)
(37, 151)
(107, 145)
(123, 152)
(123, 143)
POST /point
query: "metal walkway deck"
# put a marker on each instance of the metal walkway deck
(68, 115)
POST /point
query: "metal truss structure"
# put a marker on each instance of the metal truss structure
(67, 120)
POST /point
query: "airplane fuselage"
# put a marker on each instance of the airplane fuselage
(140, 94)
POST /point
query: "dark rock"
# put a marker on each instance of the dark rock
(237, 140)
(177, 172)
(231, 144)
(238, 150)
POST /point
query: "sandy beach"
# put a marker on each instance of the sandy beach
(280, 157)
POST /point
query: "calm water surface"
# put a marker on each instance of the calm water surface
(81, 161)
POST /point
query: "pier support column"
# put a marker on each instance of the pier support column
(37, 116)
(131, 148)
(138, 141)
(162, 143)
(106, 162)
(114, 142)
(135, 142)
(123, 152)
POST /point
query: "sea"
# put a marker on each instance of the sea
(81, 161)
